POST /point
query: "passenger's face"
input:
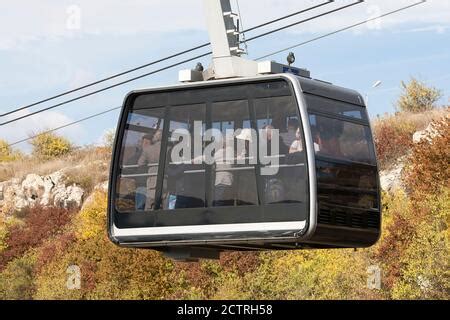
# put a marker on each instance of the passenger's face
(269, 134)
(146, 143)
(158, 135)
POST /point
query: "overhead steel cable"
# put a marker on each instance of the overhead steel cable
(157, 61)
(343, 29)
(156, 71)
(241, 25)
(289, 16)
(104, 89)
(104, 79)
(305, 20)
(64, 126)
(268, 55)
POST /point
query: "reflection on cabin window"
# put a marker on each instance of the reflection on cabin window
(184, 177)
(342, 139)
(234, 172)
(211, 152)
(280, 114)
(335, 107)
(140, 160)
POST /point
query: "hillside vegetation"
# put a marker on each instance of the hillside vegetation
(40, 247)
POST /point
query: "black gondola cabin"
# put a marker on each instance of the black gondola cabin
(272, 162)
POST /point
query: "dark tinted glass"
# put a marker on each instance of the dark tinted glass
(347, 175)
(342, 139)
(184, 174)
(347, 184)
(139, 160)
(211, 159)
(279, 123)
(316, 103)
(233, 171)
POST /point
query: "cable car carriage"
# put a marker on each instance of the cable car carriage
(271, 161)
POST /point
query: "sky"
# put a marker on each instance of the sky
(50, 46)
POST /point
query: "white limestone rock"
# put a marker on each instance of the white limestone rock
(48, 190)
(391, 180)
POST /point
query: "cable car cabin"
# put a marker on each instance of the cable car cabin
(273, 162)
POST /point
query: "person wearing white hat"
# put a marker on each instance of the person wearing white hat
(246, 179)
(246, 138)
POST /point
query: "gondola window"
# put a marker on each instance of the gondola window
(140, 160)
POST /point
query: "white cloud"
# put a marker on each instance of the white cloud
(387, 64)
(104, 136)
(28, 20)
(439, 29)
(26, 127)
(50, 19)
(431, 12)
(80, 77)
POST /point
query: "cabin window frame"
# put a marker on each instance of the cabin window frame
(371, 210)
(294, 224)
(363, 122)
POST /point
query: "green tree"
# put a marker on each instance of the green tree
(417, 97)
(108, 138)
(49, 145)
(7, 153)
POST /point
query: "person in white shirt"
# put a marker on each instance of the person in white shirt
(223, 185)
(149, 157)
(289, 137)
(297, 145)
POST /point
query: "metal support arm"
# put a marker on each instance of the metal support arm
(224, 38)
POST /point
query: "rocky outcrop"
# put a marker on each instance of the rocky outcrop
(432, 131)
(68, 197)
(49, 190)
(391, 180)
(428, 134)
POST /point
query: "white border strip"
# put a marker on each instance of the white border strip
(215, 228)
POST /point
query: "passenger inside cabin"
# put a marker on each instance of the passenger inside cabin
(289, 137)
(315, 137)
(223, 185)
(274, 189)
(149, 157)
(174, 184)
(297, 144)
(328, 138)
(183, 178)
(245, 180)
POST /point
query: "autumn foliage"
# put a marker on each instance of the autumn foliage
(38, 246)
(39, 224)
(393, 139)
(429, 166)
(7, 153)
(48, 146)
(417, 97)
